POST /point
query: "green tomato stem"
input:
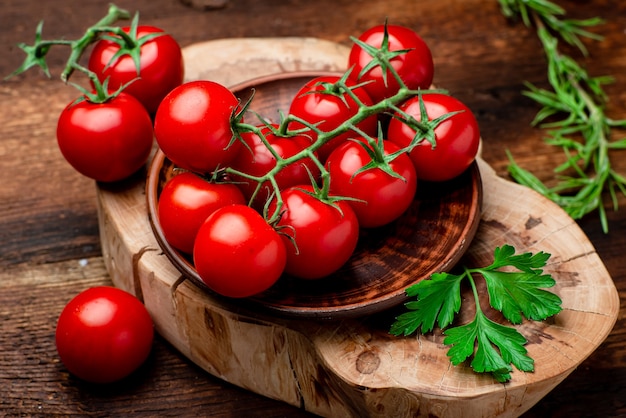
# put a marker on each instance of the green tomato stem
(91, 35)
(36, 53)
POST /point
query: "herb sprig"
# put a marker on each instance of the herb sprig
(516, 286)
(584, 131)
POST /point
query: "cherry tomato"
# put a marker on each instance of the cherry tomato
(104, 334)
(319, 104)
(193, 126)
(106, 142)
(325, 236)
(415, 67)
(186, 201)
(237, 253)
(382, 198)
(257, 160)
(161, 66)
(457, 138)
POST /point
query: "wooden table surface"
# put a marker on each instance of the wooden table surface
(49, 242)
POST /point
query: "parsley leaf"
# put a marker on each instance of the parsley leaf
(518, 295)
(486, 335)
(517, 291)
(438, 299)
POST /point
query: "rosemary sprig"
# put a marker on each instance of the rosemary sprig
(573, 113)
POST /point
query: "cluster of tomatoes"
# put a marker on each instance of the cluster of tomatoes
(255, 202)
(250, 203)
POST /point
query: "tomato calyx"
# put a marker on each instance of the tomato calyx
(381, 57)
(129, 43)
(340, 89)
(323, 195)
(375, 148)
(36, 53)
(424, 128)
(237, 124)
(216, 177)
(101, 93)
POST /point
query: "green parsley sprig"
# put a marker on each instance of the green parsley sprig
(584, 130)
(516, 286)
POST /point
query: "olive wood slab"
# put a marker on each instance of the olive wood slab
(353, 367)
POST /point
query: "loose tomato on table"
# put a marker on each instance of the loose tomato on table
(457, 137)
(256, 159)
(185, 202)
(106, 141)
(320, 102)
(193, 126)
(237, 253)
(409, 55)
(160, 60)
(319, 236)
(382, 192)
(104, 334)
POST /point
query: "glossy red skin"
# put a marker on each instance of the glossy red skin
(329, 112)
(104, 334)
(382, 198)
(257, 160)
(106, 142)
(457, 138)
(237, 253)
(161, 67)
(186, 201)
(416, 67)
(193, 126)
(325, 236)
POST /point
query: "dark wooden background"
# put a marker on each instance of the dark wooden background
(49, 244)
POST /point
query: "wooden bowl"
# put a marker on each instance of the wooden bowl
(430, 237)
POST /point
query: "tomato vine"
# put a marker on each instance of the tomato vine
(425, 130)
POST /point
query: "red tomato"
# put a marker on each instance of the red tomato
(186, 201)
(237, 254)
(257, 160)
(108, 141)
(161, 67)
(457, 138)
(193, 126)
(314, 104)
(382, 197)
(325, 236)
(104, 334)
(414, 67)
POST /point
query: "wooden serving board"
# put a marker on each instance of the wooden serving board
(353, 367)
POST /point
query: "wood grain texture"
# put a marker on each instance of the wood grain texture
(354, 367)
(48, 213)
